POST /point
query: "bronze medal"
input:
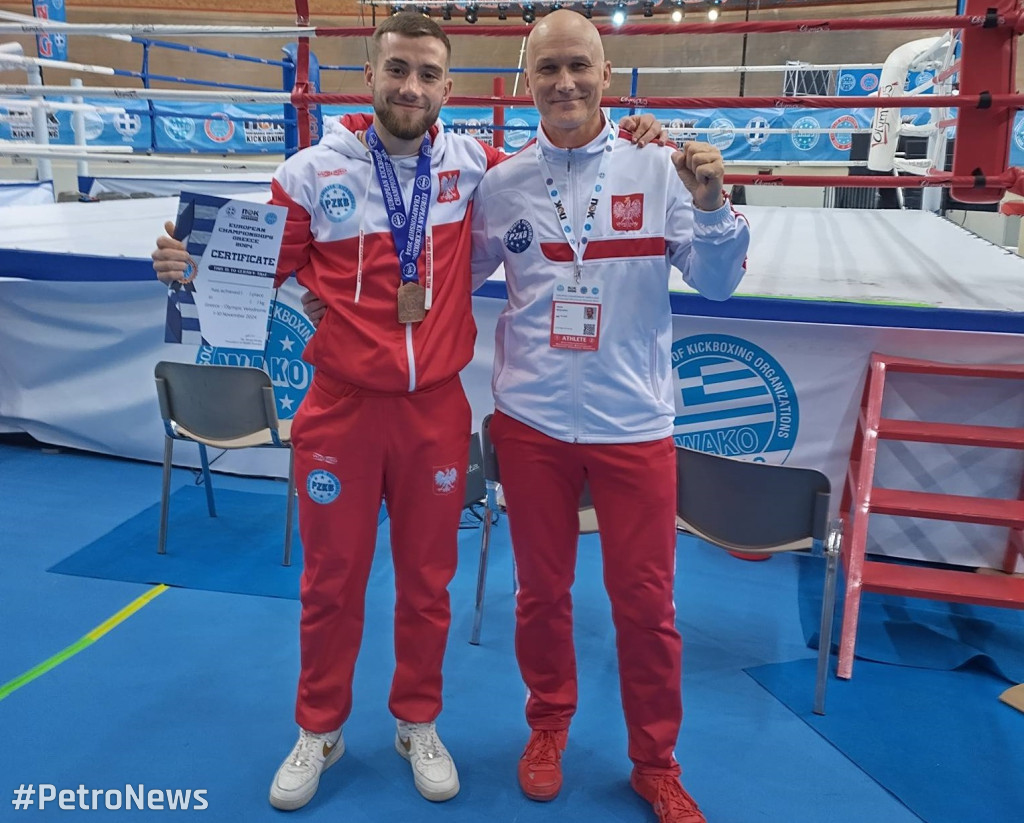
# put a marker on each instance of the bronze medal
(412, 300)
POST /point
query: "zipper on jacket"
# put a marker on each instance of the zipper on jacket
(411, 356)
(574, 366)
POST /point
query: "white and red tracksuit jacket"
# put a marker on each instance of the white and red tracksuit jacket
(645, 221)
(338, 242)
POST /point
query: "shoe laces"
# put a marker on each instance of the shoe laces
(308, 748)
(674, 805)
(423, 738)
(543, 749)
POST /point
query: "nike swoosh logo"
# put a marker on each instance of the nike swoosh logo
(328, 749)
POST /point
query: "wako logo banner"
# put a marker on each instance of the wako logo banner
(733, 398)
(290, 374)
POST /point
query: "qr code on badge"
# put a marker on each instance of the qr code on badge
(588, 329)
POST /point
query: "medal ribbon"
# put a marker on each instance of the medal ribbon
(408, 228)
(579, 248)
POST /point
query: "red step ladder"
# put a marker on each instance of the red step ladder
(861, 498)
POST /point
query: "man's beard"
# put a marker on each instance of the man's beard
(402, 128)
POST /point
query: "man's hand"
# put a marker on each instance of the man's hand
(643, 128)
(313, 307)
(700, 167)
(170, 260)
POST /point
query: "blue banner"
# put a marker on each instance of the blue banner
(51, 46)
(204, 128)
(747, 134)
(857, 82)
(861, 82)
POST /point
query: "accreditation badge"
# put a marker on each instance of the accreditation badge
(576, 314)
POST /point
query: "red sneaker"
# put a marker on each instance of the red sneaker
(668, 798)
(540, 767)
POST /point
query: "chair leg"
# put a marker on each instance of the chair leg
(828, 607)
(207, 481)
(165, 493)
(481, 574)
(291, 508)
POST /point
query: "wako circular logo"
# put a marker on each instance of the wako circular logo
(338, 202)
(1018, 134)
(733, 398)
(92, 124)
(290, 374)
(722, 133)
(179, 129)
(322, 486)
(869, 82)
(218, 128)
(846, 82)
(838, 134)
(517, 132)
(803, 136)
(519, 237)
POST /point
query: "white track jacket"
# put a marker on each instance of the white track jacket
(644, 223)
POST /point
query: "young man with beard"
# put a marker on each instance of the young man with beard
(378, 227)
(587, 228)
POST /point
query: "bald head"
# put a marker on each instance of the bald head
(566, 24)
(567, 74)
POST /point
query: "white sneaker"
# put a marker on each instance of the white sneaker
(432, 767)
(298, 777)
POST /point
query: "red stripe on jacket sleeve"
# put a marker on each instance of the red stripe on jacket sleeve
(297, 235)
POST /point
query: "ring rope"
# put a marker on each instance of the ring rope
(914, 23)
(982, 101)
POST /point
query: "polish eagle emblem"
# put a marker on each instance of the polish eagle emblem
(444, 480)
(627, 212)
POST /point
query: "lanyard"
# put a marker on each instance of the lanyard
(579, 248)
(408, 228)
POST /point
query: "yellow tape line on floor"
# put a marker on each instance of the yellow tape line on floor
(36, 671)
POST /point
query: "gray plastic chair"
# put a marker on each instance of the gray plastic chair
(758, 508)
(226, 407)
(492, 478)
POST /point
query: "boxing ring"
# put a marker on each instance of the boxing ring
(81, 316)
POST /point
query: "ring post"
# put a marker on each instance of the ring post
(291, 114)
(498, 132)
(987, 67)
(40, 127)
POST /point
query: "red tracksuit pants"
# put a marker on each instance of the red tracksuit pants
(633, 487)
(353, 448)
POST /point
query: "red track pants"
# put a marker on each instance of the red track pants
(633, 487)
(353, 448)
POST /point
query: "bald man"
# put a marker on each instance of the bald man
(587, 228)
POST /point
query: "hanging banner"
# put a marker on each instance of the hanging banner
(51, 46)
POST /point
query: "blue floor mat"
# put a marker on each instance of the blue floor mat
(940, 741)
(239, 551)
(927, 634)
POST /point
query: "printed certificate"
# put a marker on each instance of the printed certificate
(234, 246)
